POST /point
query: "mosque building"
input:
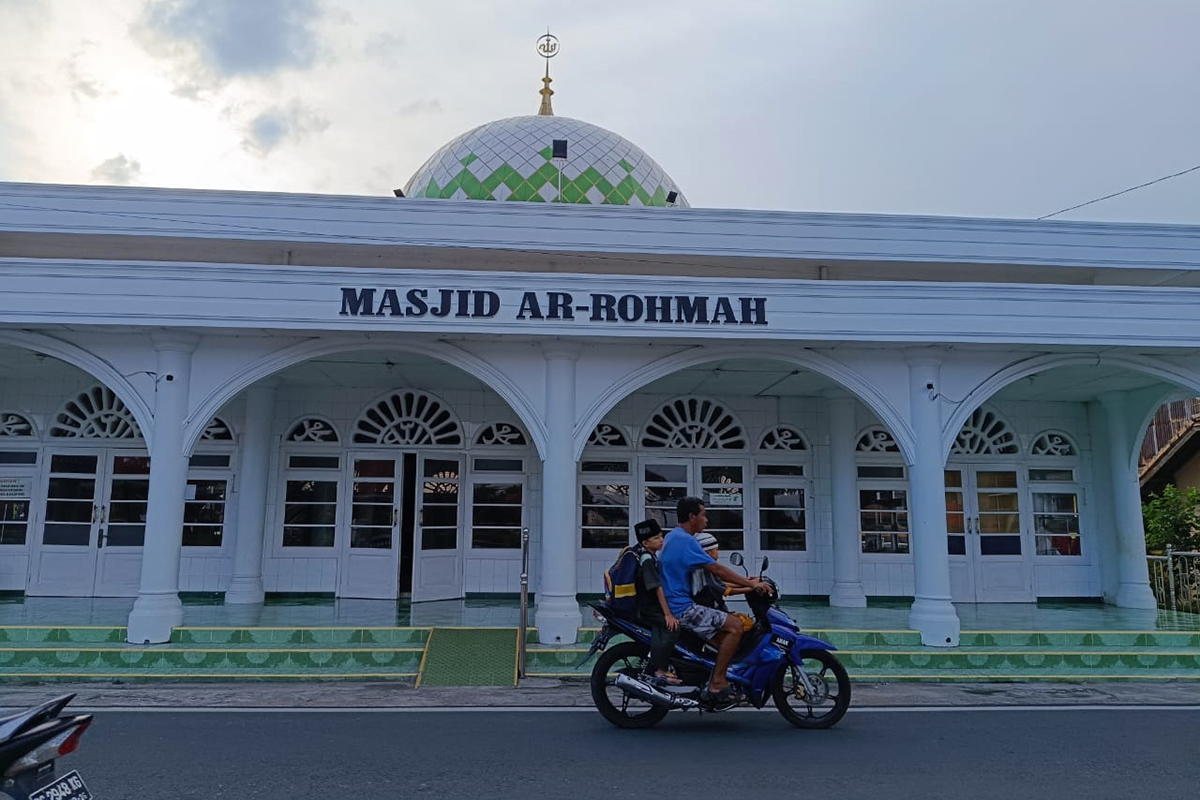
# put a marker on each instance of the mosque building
(374, 397)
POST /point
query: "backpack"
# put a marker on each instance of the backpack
(620, 582)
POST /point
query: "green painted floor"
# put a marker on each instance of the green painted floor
(470, 657)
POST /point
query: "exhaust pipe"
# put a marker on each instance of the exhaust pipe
(653, 695)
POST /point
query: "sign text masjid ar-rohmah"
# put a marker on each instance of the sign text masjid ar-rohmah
(538, 306)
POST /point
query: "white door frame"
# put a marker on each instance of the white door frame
(437, 572)
(1000, 578)
(371, 572)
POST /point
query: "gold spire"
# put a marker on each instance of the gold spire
(547, 47)
(546, 110)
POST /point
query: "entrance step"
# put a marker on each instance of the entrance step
(981, 656)
(470, 657)
(232, 653)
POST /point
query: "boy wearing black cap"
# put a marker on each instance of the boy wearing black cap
(652, 603)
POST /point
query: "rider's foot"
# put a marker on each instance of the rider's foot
(664, 678)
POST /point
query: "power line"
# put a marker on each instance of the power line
(1123, 191)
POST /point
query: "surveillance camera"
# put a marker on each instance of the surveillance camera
(170, 377)
(929, 386)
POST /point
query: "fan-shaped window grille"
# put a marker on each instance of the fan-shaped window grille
(311, 429)
(217, 430)
(692, 423)
(14, 425)
(95, 414)
(876, 440)
(408, 417)
(606, 435)
(501, 433)
(782, 437)
(1054, 443)
(985, 434)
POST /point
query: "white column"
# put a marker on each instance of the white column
(557, 617)
(847, 589)
(1133, 588)
(246, 585)
(157, 609)
(932, 612)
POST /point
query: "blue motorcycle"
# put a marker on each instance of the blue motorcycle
(774, 661)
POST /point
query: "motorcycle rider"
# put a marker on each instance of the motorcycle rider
(680, 555)
(707, 588)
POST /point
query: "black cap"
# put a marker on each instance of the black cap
(646, 529)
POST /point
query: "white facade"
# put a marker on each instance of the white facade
(221, 392)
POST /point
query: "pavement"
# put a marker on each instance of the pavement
(552, 692)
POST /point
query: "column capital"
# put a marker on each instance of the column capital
(178, 341)
(559, 350)
(925, 356)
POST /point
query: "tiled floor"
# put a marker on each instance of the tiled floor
(478, 612)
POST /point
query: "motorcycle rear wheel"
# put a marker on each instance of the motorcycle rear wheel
(614, 705)
(832, 691)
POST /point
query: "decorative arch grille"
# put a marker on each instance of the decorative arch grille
(217, 430)
(408, 417)
(607, 435)
(782, 437)
(876, 440)
(691, 423)
(311, 429)
(985, 434)
(95, 414)
(1054, 443)
(15, 425)
(501, 433)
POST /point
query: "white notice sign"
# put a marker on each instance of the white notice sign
(16, 488)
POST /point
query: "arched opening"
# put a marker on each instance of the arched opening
(1041, 483)
(387, 474)
(74, 476)
(750, 435)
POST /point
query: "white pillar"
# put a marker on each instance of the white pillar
(246, 585)
(847, 589)
(557, 617)
(157, 609)
(932, 612)
(1133, 588)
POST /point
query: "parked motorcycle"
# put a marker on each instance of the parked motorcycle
(30, 744)
(774, 661)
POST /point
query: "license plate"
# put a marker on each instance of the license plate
(68, 787)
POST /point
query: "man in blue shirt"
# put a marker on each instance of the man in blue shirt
(680, 555)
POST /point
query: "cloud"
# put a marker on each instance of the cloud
(213, 41)
(433, 106)
(277, 125)
(81, 85)
(120, 169)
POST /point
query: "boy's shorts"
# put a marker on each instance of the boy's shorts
(703, 621)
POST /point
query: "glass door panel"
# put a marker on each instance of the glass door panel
(369, 561)
(664, 483)
(998, 513)
(373, 510)
(721, 486)
(123, 521)
(438, 548)
(71, 507)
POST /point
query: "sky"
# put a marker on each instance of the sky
(981, 108)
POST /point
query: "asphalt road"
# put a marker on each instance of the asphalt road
(575, 755)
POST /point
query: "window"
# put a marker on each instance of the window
(204, 512)
(664, 485)
(309, 512)
(496, 514)
(373, 503)
(604, 515)
(439, 504)
(14, 521)
(781, 521)
(883, 519)
(724, 499)
(1055, 512)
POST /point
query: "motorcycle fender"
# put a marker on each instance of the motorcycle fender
(805, 642)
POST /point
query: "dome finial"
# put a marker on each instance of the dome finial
(547, 47)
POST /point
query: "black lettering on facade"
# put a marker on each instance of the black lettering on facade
(529, 306)
(446, 296)
(691, 309)
(390, 304)
(754, 310)
(558, 306)
(658, 308)
(602, 308)
(723, 313)
(486, 304)
(357, 301)
(417, 307)
(630, 307)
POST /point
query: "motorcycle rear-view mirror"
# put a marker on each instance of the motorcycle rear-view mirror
(736, 559)
(763, 568)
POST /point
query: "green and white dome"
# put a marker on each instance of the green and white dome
(509, 159)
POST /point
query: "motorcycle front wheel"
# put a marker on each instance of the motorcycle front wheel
(831, 691)
(614, 705)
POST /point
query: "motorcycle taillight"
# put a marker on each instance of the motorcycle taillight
(65, 741)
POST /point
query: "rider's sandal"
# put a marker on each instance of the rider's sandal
(729, 694)
(666, 680)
